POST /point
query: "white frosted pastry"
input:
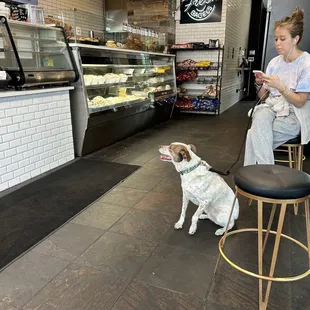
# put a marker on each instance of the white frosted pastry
(101, 79)
(123, 78)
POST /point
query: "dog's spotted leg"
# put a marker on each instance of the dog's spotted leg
(196, 217)
(180, 222)
(221, 231)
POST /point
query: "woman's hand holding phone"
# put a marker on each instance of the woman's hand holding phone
(258, 76)
(274, 82)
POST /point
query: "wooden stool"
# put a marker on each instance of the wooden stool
(277, 185)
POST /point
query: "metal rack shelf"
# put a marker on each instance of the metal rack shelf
(197, 49)
(216, 66)
(99, 86)
(199, 112)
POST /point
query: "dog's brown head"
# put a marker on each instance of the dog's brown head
(177, 152)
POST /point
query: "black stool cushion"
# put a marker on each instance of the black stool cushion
(296, 140)
(273, 181)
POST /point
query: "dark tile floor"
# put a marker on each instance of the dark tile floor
(122, 252)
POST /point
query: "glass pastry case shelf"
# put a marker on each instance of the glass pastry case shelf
(35, 55)
(116, 78)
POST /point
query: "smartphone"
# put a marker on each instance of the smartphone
(258, 72)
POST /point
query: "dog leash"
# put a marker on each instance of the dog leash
(256, 103)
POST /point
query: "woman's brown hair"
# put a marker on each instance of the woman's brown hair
(295, 23)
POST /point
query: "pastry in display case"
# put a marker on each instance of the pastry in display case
(35, 55)
(118, 83)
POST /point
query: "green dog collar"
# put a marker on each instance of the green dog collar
(190, 169)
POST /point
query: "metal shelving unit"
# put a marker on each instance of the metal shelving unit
(192, 91)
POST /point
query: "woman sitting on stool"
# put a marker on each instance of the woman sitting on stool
(285, 88)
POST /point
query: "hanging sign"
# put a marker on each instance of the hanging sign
(200, 11)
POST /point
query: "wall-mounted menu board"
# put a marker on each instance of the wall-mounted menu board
(200, 11)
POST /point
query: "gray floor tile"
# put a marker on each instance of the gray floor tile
(69, 242)
(124, 254)
(143, 182)
(82, 288)
(178, 270)
(170, 186)
(212, 306)
(141, 296)
(5, 306)
(237, 290)
(204, 240)
(159, 202)
(100, 215)
(136, 157)
(25, 277)
(157, 171)
(156, 163)
(150, 226)
(123, 196)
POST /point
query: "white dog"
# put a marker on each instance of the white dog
(206, 189)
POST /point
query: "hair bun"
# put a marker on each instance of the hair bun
(298, 15)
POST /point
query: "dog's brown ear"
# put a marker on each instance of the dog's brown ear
(193, 148)
(179, 153)
(185, 153)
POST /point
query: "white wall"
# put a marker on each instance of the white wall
(35, 136)
(89, 16)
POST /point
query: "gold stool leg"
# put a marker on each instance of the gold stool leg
(290, 156)
(250, 202)
(260, 251)
(307, 213)
(224, 237)
(295, 158)
(275, 252)
(299, 162)
(301, 157)
(296, 208)
(273, 211)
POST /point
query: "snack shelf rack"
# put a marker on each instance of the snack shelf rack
(193, 87)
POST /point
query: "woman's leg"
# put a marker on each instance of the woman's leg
(284, 129)
(249, 156)
(259, 144)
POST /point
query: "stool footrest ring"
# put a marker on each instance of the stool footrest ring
(275, 279)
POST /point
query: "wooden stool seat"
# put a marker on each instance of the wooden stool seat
(278, 185)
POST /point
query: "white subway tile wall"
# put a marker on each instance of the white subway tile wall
(236, 37)
(89, 15)
(201, 32)
(32, 143)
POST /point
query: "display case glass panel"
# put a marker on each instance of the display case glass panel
(40, 47)
(35, 54)
(118, 78)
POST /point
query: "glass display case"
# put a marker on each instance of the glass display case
(116, 84)
(35, 54)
